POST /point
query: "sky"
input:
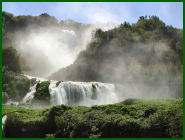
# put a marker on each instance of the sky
(89, 12)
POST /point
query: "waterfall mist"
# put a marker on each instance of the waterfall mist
(46, 49)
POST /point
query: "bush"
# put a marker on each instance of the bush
(175, 121)
(15, 85)
(42, 91)
(156, 118)
(42, 95)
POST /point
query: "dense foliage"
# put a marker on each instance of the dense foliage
(14, 84)
(42, 95)
(136, 118)
(147, 53)
(11, 59)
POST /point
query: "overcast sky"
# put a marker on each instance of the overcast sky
(88, 12)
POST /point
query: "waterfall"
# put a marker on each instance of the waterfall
(77, 93)
(30, 95)
(3, 123)
(82, 93)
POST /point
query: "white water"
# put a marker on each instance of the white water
(82, 93)
(76, 93)
(3, 123)
(30, 95)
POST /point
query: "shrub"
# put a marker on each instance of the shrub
(15, 85)
(42, 95)
(175, 121)
(156, 118)
(42, 91)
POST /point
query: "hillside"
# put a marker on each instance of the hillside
(147, 56)
(44, 42)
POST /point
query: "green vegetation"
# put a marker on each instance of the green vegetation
(11, 59)
(148, 53)
(11, 23)
(42, 91)
(42, 95)
(57, 83)
(14, 84)
(130, 118)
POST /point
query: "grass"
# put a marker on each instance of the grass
(25, 115)
(143, 118)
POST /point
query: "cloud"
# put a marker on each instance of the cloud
(91, 12)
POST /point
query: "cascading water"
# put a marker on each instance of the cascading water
(3, 123)
(82, 93)
(30, 95)
(75, 93)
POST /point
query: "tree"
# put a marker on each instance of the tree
(10, 58)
